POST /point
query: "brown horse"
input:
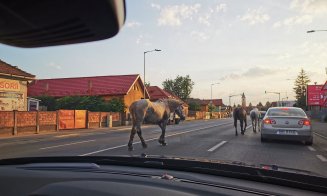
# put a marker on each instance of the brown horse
(153, 112)
(239, 113)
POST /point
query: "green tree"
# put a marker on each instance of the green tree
(115, 105)
(267, 105)
(259, 105)
(180, 86)
(147, 84)
(49, 102)
(300, 85)
(91, 103)
(250, 106)
(194, 106)
(211, 107)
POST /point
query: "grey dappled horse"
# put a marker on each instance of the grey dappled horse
(255, 116)
(239, 113)
(153, 112)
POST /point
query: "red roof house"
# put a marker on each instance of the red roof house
(127, 87)
(205, 103)
(156, 93)
(13, 87)
(13, 71)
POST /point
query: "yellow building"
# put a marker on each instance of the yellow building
(13, 87)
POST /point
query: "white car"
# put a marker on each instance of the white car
(286, 123)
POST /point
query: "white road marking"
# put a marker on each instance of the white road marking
(67, 144)
(217, 146)
(311, 148)
(320, 135)
(67, 135)
(248, 126)
(115, 147)
(322, 158)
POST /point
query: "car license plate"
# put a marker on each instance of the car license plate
(286, 132)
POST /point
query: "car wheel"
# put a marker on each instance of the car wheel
(263, 139)
(309, 142)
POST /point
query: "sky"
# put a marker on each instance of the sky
(248, 46)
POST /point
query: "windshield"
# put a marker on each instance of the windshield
(286, 112)
(180, 79)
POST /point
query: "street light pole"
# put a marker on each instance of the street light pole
(155, 50)
(284, 98)
(275, 93)
(211, 94)
(312, 31)
(144, 77)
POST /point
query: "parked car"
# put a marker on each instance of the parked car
(286, 123)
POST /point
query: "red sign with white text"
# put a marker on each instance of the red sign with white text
(324, 91)
(315, 95)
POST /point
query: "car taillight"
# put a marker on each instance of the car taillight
(269, 121)
(304, 122)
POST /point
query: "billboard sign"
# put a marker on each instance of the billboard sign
(315, 95)
(324, 91)
(9, 85)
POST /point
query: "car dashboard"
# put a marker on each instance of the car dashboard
(93, 179)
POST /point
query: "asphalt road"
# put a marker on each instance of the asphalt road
(207, 139)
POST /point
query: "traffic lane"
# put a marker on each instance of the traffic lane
(220, 143)
(188, 143)
(251, 150)
(71, 146)
(121, 138)
(64, 134)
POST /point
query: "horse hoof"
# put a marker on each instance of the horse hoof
(242, 133)
(130, 148)
(144, 145)
(164, 144)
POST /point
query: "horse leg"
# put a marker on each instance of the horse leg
(241, 124)
(163, 132)
(139, 133)
(245, 122)
(259, 125)
(131, 137)
(235, 125)
(255, 125)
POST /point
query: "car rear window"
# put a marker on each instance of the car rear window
(286, 112)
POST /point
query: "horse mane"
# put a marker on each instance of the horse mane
(172, 103)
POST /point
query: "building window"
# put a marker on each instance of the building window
(135, 87)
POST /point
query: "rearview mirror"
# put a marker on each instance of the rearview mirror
(41, 23)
